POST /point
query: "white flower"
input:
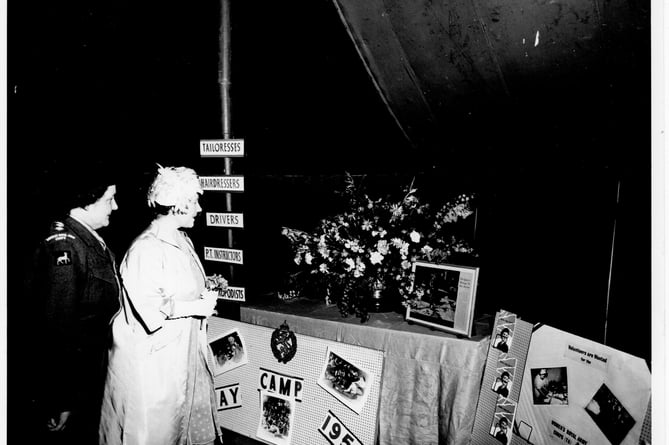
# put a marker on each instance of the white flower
(375, 258)
(406, 264)
(298, 259)
(426, 249)
(323, 268)
(382, 247)
(415, 236)
(308, 258)
(349, 263)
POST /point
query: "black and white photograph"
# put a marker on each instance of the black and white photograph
(376, 170)
(550, 386)
(610, 415)
(277, 414)
(443, 296)
(501, 428)
(503, 338)
(229, 351)
(345, 380)
(503, 382)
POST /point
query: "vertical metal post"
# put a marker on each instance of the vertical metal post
(613, 249)
(224, 85)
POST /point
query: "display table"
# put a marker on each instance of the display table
(431, 380)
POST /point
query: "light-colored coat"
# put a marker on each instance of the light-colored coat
(158, 365)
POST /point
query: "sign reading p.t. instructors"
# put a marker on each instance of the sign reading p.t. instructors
(222, 148)
(223, 255)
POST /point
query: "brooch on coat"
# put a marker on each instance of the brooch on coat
(284, 343)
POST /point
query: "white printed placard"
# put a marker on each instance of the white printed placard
(336, 432)
(284, 384)
(222, 183)
(232, 293)
(221, 148)
(223, 255)
(228, 397)
(235, 220)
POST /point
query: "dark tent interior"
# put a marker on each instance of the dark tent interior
(540, 108)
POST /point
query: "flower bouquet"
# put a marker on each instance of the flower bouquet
(370, 247)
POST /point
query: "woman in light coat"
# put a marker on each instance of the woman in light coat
(159, 388)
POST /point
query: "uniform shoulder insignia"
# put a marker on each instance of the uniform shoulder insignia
(62, 258)
(58, 226)
(59, 237)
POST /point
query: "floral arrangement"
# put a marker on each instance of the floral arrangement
(372, 245)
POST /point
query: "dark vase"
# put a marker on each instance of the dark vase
(382, 300)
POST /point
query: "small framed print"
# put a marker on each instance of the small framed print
(443, 297)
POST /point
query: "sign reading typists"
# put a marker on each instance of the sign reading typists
(221, 148)
(222, 183)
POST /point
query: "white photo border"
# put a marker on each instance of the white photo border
(464, 310)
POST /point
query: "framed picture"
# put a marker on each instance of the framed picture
(443, 297)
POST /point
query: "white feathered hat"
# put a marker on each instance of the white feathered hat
(174, 186)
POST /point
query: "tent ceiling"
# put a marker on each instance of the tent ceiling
(434, 62)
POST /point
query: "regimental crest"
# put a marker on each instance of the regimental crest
(284, 343)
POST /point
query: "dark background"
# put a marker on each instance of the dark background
(123, 85)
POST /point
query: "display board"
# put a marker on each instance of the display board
(546, 386)
(303, 400)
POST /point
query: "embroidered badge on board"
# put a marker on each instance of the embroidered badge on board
(63, 258)
(284, 343)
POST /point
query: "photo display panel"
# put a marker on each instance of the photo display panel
(579, 392)
(328, 393)
(542, 385)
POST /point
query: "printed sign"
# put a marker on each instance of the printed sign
(222, 183)
(222, 255)
(336, 432)
(222, 148)
(225, 220)
(232, 293)
(228, 397)
(276, 382)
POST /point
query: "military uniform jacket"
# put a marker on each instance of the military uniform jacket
(80, 293)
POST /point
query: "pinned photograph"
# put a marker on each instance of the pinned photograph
(276, 418)
(549, 386)
(503, 382)
(229, 351)
(503, 338)
(610, 415)
(346, 381)
(501, 427)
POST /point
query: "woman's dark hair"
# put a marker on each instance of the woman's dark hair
(160, 210)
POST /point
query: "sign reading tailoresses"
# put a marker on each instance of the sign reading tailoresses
(222, 255)
(222, 183)
(222, 148)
